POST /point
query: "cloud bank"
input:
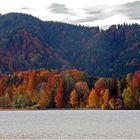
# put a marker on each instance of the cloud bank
(130, 10)
(58, 8)
(84, 12)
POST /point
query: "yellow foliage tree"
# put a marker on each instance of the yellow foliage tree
(5, 101)
(91, 96)
(129, 98)
(106, 98)
(43, 99)
(112, 103)
(74, 98)
(118, 104)
(94, 100)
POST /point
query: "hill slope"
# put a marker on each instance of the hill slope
(27, 42)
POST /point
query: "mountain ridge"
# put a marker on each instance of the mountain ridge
(29, 43)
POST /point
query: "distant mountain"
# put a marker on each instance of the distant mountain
(29, 43)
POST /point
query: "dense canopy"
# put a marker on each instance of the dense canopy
(27, 42)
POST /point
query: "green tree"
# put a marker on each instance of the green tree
(112, 84)
(68, 86)
(129, 98)
(22, 101)
(5, 101)
(51, 103)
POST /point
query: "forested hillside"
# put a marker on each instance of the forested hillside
(29, 43)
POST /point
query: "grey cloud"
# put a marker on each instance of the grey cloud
(94, 13)
(58, 8)
(26, 8)
(101, 14)
(131, 10)
(132, 4)
(91, 18)
(94, 10)
(83, 20)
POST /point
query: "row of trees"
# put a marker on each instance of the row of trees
(41, 89)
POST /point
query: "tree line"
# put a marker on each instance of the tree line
(43, 89)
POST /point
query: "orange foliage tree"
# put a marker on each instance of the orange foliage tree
(76, 74)
(43, 97)
(136, 85)
(100, 85)
(59, 95)
(112, 103)
(136, 80)
(91, 98)
(74, 99)
(3, 85)
(105, 98)
(83, 93)
(44, 74)
(94, 100)
(118, 103)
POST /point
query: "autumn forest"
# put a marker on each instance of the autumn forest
(45, 65)
(42, 89)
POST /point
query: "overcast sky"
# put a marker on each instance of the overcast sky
(85, 12)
